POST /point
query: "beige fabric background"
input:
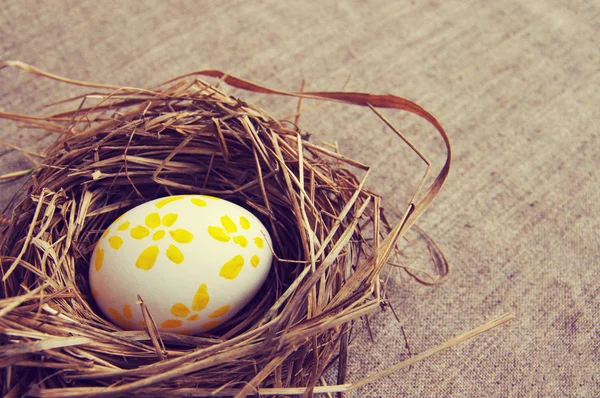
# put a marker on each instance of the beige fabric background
(515, 83)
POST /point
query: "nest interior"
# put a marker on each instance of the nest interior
(122, 147)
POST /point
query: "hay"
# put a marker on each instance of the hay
(330, 238)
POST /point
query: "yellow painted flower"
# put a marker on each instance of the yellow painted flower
(123, 317)
(155, 227)
(191, 313)
(228, 231)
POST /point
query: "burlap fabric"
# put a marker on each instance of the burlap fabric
(516, 85)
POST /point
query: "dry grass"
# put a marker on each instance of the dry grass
(123, 146)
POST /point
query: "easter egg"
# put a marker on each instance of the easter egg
(195, 260)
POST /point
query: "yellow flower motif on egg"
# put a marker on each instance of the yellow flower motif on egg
(229, 232)
(153, 224)
(123, 317)
(198, 201)
(199, 303)
(152, 227)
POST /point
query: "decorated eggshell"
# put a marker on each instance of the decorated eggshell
(195, 260)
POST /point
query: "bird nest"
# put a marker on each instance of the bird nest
(330, 242)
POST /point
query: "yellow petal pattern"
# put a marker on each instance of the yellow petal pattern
(180, 310)
(199, 202)
(181, 235)
(115, 242)
(163, 202)
(116, 315)
(127, 311)
(220, 311)
(228, 224)
(124, 226)
(232, 268)
(241, 240)
(158, 235)
(147, 258)
(201, 298)
(152, 220)
(139, 232)
(119, 318)
(171, 324)
(169, 219)
(219, 234)
(99, 259)
(175, 254)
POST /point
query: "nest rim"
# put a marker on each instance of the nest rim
(288, 327)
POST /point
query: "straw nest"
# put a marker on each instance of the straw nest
(121, 147)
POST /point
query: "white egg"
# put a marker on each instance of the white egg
(195, 260)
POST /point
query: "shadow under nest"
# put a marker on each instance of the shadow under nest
(330, 243)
